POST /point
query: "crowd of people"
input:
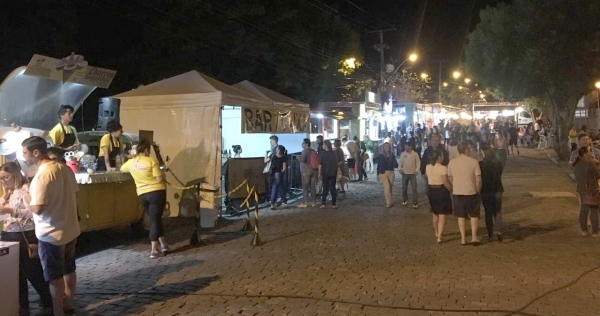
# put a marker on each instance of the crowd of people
(462, 165)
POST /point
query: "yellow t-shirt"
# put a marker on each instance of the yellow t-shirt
(58, 136)
(573, 136)
(144, 171)
(105, 142)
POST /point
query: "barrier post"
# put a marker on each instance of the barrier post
(247, 225)
(256, 240)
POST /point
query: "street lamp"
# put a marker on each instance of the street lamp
(456, 74)
(598, 92)
(460, 87)
(445, 84)
(467, 80)
(350, 63)
(423, 76)
(482, 95)
(413, 57)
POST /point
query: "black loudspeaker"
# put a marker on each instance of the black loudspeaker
(108, 110)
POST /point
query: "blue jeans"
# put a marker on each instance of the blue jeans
(277, 187)
(412, 178)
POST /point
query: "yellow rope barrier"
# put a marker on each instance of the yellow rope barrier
(208, 198)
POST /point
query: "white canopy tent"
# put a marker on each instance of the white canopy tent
(184, 112)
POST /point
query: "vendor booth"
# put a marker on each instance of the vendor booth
(195, 120)
(30, 97)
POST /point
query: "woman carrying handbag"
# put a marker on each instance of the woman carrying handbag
(587, 174)
(19, 227)
(386, 163)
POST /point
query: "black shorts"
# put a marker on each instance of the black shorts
(57, 261)
(466, 206)
(351, 163)
(512, 142)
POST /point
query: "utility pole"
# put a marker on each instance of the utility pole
(381, 49)
(440, 84)
(382, 68)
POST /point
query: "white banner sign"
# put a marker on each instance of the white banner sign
(70, 69)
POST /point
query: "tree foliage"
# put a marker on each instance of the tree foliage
(539, 47)
(458, 95)
(536, 106)
(408, 86)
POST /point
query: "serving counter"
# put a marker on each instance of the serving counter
(106, 199)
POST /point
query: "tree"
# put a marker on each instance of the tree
(408, 86)
(536, 106)
(458, 95)
(539, 47)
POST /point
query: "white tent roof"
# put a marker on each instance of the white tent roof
(193, 89)
(279, 99)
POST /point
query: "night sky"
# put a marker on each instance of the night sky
(109, 33)
(445, 26)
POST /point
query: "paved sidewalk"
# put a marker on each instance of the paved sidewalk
(364, 259)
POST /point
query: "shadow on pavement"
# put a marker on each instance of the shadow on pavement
(133, 291)
(94, 241)
(517, 232)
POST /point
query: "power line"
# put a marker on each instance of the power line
(369, 14)
(306, 53)
(349, 19)
(254, 59)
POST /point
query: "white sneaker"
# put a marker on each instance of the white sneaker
(405, 203)
(415, 205)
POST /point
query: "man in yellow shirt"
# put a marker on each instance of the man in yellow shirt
(573, 138)
(64, 135)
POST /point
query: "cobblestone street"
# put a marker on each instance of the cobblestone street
(363, 259)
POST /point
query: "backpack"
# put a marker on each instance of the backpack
(313, 159)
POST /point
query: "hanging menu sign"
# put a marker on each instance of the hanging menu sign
(73, 68)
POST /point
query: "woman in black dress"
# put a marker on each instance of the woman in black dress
(438, 192)
(328, 169)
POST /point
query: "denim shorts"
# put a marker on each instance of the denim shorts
(57, 261)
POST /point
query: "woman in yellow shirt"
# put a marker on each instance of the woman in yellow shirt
(110, 146)
(152, 192)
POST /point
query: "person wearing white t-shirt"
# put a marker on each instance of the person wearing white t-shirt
(54, 207)
(438, 192)
(409, 165)
(464, 175)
